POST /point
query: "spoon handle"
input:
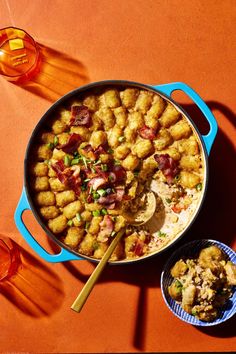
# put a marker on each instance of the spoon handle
(83, 295)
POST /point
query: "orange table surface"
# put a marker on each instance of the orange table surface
(148, 41)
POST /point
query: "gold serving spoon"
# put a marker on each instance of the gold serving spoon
(137, 219)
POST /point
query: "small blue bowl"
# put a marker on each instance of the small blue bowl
(191, 250)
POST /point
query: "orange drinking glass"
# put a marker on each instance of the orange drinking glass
(9, 258)
(19, 55)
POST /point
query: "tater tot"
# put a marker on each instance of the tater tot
(51, 172)
(121, 152)
(129, 97)
(86, 246)
(82, 131)
(91, 102)
(58, 224)
(163, 139)
(47, 138)
(130, 134)
(63, 138)
(94, 227)
(98, 138)
(118, 252)
(58, 154)
(180, 130)
(136, 120)
(107, 117)
(121, 116)
(41, 184)
(149, 167)
(172, 152)
(156, 109)
(112, 98)
(45, 198)
(97, 123)
(120, 223)
(44, 152)
(74, 236)
(113, 136)
(58, 126)
(144, 101)
(130, 162)
(169, 117)
(56, 185)
(151, 122)
(86, 215)
(189, 146)
(39, 169)
(66, 197)
(142, 148)
(49, 212)
(188, 179)
(71, 209)
(100, 249)
(190, 162)
(65, 116)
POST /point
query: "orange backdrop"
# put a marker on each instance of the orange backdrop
(149, 41)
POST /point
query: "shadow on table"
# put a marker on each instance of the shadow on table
(57, 74)
(34, 289)
(215, 220)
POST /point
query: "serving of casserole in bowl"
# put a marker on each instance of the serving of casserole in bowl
(94, 155)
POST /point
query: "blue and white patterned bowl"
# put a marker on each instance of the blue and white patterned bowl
(189, 250)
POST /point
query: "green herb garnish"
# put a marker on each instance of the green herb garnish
(168, 200)
(136, 173)
(96, 212)
(101, 192)
(78, 216)
(199, 187)
(67, 160)
(104, 211)
(110, 151)
(74, 162)
(104, 167)
(161, 234)
(55, 140)
(96, 195)
(70, 222)
(50, 146)
(113, 233)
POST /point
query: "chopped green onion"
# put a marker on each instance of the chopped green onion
(87, 180)
(55, 140)
(74, 162)
(83, 187)
(78, 216)
(161, 234)
(104, 167)
(90, 189)
(104, 211)
(67, 160)
(110, 178)
(136, 173)
(199, 187)
(70, 222)
(121, 139)
(168, 200)
(97, 162)
(87, 224)
(110, 151)
(96, 195)
(93, 169)
(96, 212)
(84, 161)
(113, 233)
(50, 146)
(101, 192)
(76, 154)
(48, 162)
(117, 163)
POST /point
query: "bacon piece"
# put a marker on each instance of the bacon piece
(147, 133)
(68, 176)
(80, 115)
(106, 228)
(120, 191)
(109, 199)
(117, 174)
(138, 248)
(96, 182)
(167, 165)
(72, 143)
(99, 150)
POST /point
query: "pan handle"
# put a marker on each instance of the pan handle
(210, 136)
(63, 256)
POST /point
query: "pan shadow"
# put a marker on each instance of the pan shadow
(215, 220)
(57, 74)
(34, 289)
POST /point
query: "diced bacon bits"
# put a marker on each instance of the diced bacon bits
(147, 133)
(168, 166)
(106, 228)
(72, 144)
(80, 115)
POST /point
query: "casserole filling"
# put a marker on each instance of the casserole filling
(97, 157)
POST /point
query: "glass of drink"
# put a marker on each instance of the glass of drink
(19, 55)
(9, 258)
